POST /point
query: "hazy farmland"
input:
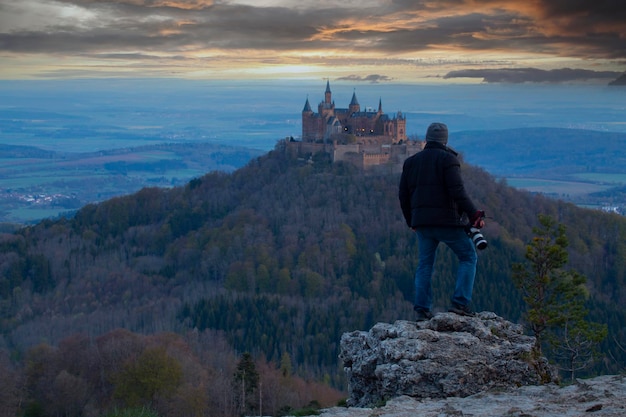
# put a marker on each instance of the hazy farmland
(67, 143)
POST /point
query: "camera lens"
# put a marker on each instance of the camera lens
(479, 240)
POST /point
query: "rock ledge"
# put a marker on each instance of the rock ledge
(447, 356)
(597, 397)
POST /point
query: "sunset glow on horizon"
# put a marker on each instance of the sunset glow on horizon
(371, 41)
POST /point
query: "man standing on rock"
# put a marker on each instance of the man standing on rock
(434, 204)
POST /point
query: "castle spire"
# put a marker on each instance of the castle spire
(380, 105)
(354, 101)
(327, 94)
(354, 107)
(307, 106)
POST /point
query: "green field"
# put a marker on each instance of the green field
(614, 179)
(558, 188)
(34, 186)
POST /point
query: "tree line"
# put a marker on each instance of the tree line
(163, 374)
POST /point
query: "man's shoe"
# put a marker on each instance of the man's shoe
(423, 314)
(461, 310)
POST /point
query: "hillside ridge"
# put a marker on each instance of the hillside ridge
(305, 250)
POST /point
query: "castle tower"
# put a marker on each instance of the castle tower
(354, 107)
(400, 127)
(326, 108)
(310, 123)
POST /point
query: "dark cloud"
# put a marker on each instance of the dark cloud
(603, 12)
(172, 4)
(621, 80)
(562, 28)
(372, 78)
(204, 24)
(532, 75)
(129, 25)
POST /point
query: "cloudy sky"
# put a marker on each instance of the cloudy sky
(360, 40)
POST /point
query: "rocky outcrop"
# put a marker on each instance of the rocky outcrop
(447, 356)
(598, 397)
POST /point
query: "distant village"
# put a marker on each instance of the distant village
(366, 138)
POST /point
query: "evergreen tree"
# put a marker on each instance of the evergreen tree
(555, 298)
(246, 381)
(575, 344)
(285, 364)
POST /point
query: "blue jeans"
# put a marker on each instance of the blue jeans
(457, 240)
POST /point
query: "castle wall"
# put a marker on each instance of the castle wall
(353, 158)
(340, 151)
(313, 127)
(300, 149)
(371, 160)
(403, 151)
(363, 156)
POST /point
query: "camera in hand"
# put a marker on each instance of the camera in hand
(479, 240)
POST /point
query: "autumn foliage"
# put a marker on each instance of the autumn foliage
(277, 259)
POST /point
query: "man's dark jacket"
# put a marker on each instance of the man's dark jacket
(431, 189)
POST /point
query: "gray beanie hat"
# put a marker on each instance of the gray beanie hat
(437, 132)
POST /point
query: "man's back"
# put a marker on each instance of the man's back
(431, 188)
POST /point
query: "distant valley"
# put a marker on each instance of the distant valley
(37, 184)
(582, 166)
(64, 144)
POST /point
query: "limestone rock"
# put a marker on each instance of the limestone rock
(447, 356)
(602, 396)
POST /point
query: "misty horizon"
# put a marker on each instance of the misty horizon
(88, 115)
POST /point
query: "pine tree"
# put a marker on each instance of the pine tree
(246, 381)
(555, 298)
(575, 344)
(285, 365)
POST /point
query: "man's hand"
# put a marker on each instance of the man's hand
(478, 219)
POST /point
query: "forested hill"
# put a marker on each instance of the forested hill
(283, 256)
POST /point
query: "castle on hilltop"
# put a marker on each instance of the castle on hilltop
(365, 138)
(331, 123)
